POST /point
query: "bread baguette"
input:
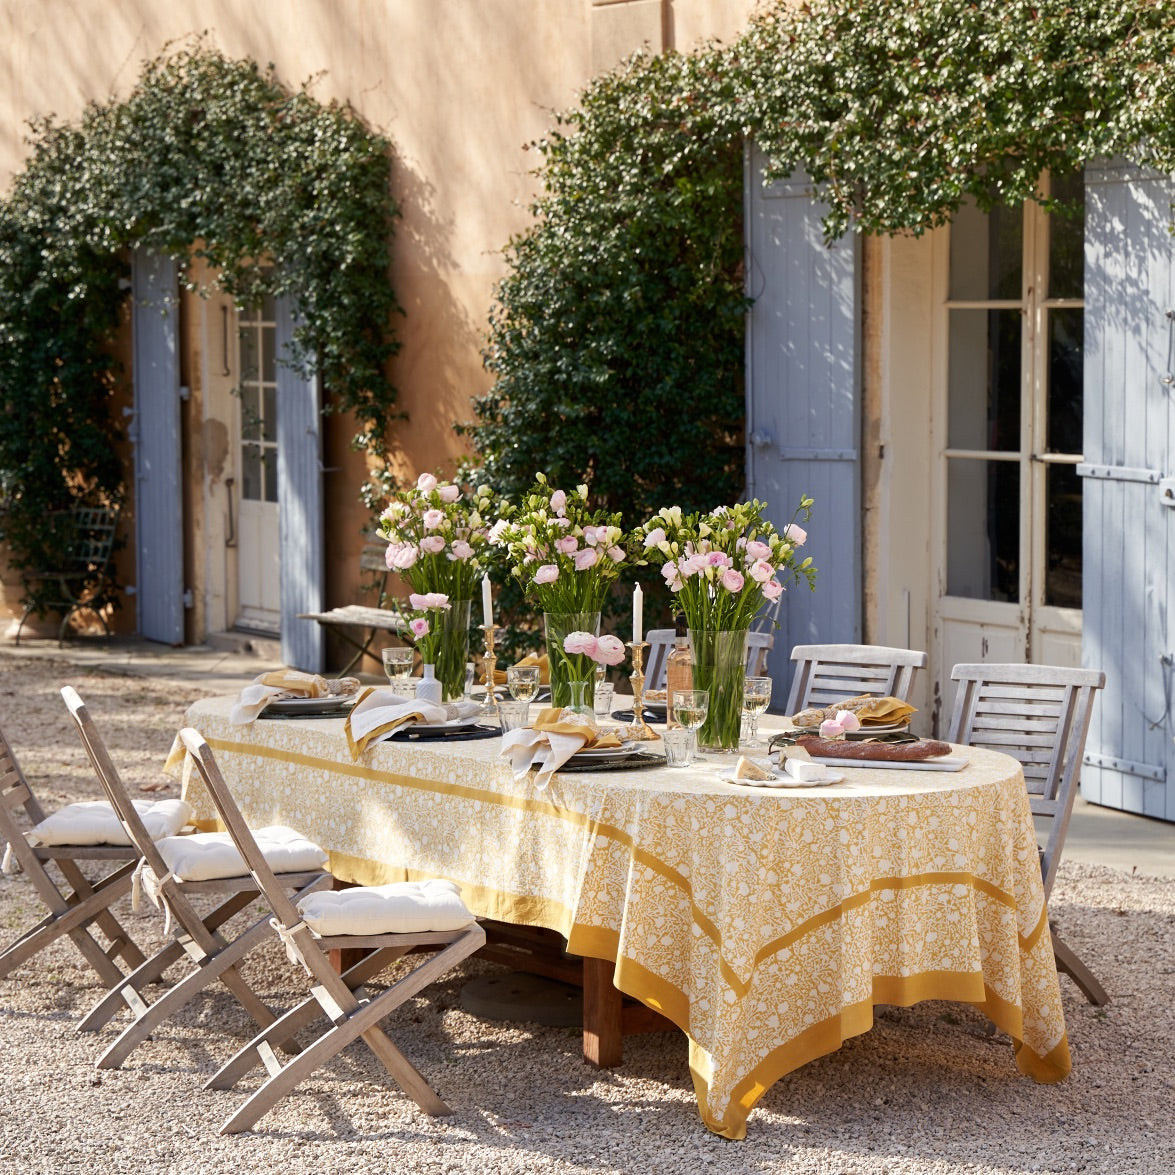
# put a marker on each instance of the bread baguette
(835, 748)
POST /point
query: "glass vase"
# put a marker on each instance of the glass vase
(580, 703)
(453, 650)
(719, 666)
(565, 667)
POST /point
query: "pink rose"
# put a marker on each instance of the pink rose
(558, 501)
(448, 493)
(758, 550)
(432, 519)
(580, 643)
(732, 580)
(609, 650)
(462, 550)
(567, 545)
(426, 483)
(432, 544)
(761, 571)
(772, 589)
(586, 558)
(547, 573)
(795, 534)
(405, 557)
(418, 627)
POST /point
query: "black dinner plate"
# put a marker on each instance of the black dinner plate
(627, 763)
(425, 734)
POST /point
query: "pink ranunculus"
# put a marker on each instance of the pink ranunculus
(567, 544)
(558, 501)
(426, 483)
(718, 559)
(772, 589)
(448, 493)
(691, 565)
(418, 627)
(758, 550)
(429, 600)
(586, 558)
(547, 573)
(796, 535)
(591, 535)
(462, 550)
(406, 557)
(393, 549)
(616, 554)
(432, 519)
(733, 580)
(761, 571)
(432, 544)
(610, 650)
(576, 643)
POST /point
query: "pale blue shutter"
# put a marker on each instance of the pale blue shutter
(1129, 559)
(300, 510)
(803, 402)
(155, 433)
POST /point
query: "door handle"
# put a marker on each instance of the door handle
(760, 439)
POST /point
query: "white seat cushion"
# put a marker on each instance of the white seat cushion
(209, 856)
(404, 907)
(93, 822)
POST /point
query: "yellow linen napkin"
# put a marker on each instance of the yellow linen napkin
(278, 683)
(530, 659)
(869, 711)
(379, 713)
(559, 736)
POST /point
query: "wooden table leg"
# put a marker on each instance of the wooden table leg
(603, 1028)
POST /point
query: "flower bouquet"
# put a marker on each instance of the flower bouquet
(723, 566)
(566, 557)
(438, 540)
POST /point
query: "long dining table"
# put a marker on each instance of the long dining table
(764, 923)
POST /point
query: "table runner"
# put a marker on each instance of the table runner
(765, 924)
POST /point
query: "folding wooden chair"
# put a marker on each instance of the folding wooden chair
(830, 673)
(197, 938)
(349, 1009)
(81, 909)
(1040, 715)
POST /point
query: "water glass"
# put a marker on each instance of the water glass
(756, 698)
(515, 715)
(398, 662)
(470, 677)
(679, 746)
(523, 682)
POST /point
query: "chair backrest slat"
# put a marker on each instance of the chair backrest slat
(1040, 715)
(825, 674)
(238, 829)
(112, 784)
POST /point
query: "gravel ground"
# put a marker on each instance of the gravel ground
(926, 1091)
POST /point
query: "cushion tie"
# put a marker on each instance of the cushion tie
(8, 865)
(293, 951)
(144, 879)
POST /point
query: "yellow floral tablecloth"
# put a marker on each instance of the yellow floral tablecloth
(765, 923)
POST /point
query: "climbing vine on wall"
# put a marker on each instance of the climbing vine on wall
(211, 157)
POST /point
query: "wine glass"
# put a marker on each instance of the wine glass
(398, 663)
(523, 682)
(690, 707)
(756, 698)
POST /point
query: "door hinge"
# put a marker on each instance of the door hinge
(189, 598)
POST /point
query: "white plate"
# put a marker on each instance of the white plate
(448, 724)
(779, 779)
(608, 752)
(866, 728)
(325, 705)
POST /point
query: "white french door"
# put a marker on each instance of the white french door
(1009, 432)
(258, 546)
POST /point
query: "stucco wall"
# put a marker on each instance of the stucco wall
(459, 87)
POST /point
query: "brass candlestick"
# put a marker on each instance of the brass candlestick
(638, 730)
(488, 662)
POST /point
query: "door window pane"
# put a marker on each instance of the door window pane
(986, 254)
(1066, 379)
(251, 473)
(1062, 578)
(250, 413)
(269, 467)
(1067, 239)
(984, 380)
(983, 529)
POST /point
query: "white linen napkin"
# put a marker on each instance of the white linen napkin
(379, 713)
(521, 746)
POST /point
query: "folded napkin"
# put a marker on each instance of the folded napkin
(559, 736)
(870, 711)
(529, 659)
(379, 713)
(279, 683)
